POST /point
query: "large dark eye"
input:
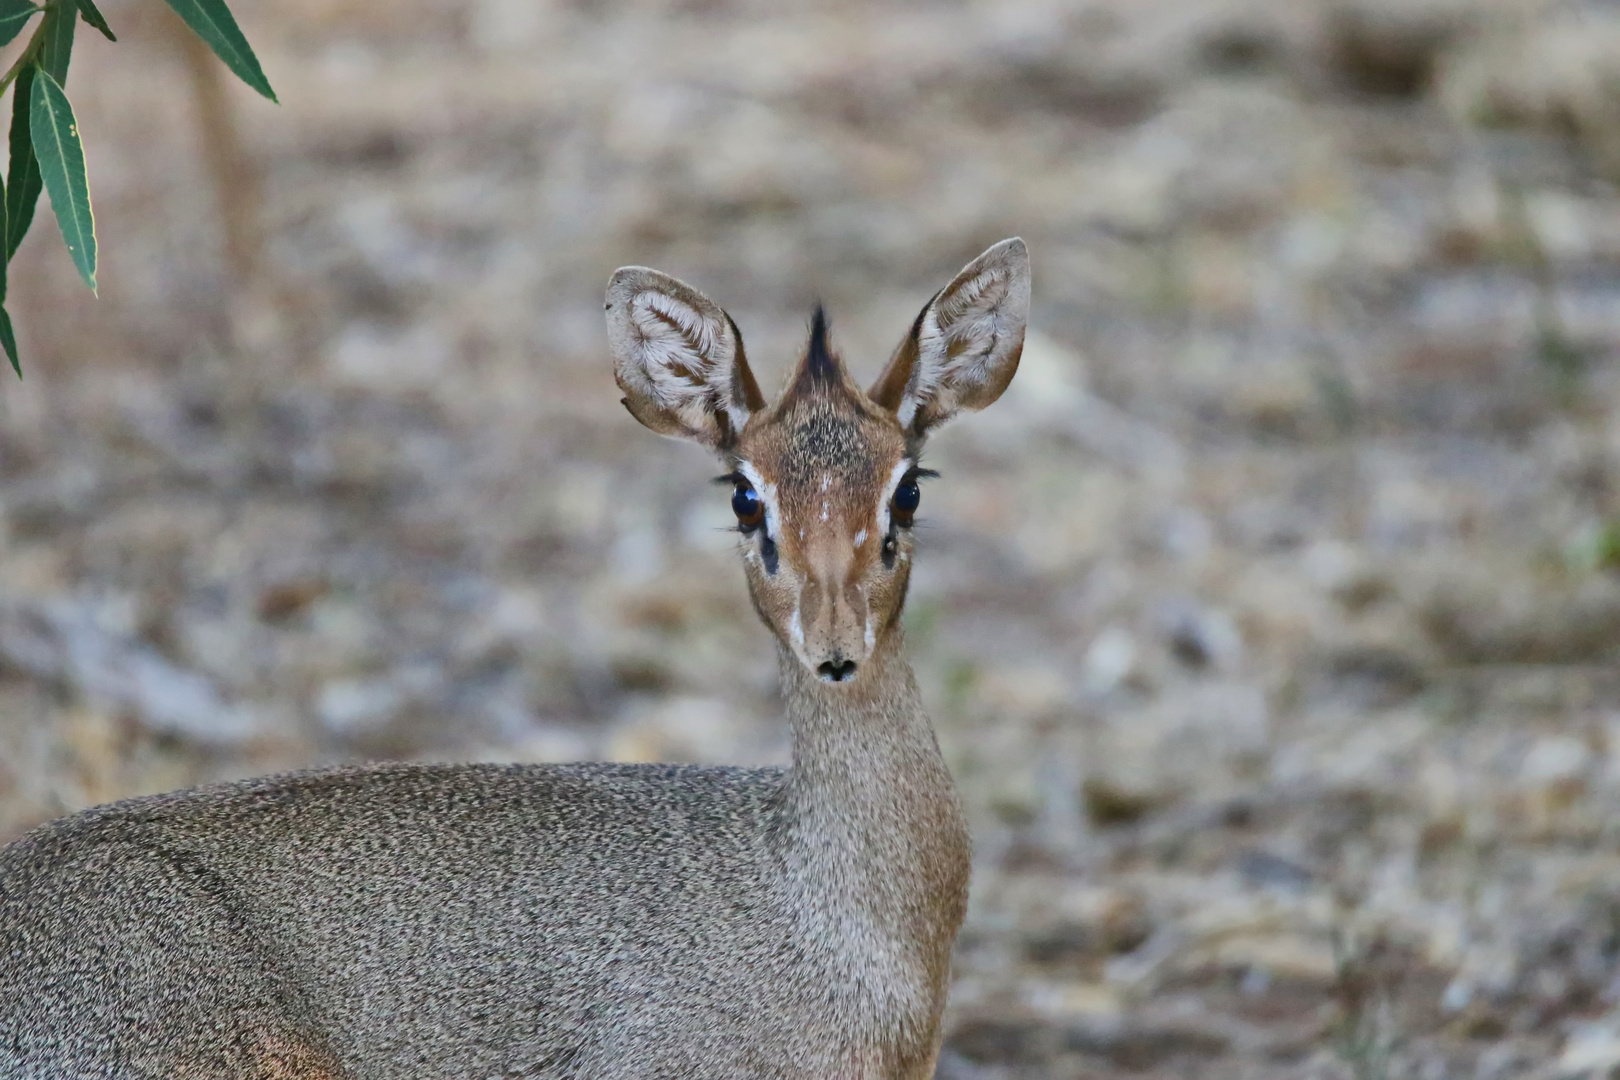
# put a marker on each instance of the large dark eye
(906, 499)
(746, 504)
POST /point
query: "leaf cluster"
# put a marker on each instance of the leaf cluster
(46, 152)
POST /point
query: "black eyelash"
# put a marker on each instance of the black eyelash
(731, 478)
(923, 474)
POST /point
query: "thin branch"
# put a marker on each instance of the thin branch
(34, 41)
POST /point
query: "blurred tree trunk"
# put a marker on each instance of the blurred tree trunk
(236, 185)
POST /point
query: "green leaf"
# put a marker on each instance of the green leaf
(60, 21)
(8, 339)
(61, 163)
(213, 22)
(3, 266)
(92, 15)
(14, 15)
(23, 182)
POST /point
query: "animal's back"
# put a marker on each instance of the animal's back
(396, 921)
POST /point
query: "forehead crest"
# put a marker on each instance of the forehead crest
(823, 432)
(817, 438)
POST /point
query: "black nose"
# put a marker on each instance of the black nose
(836, 669)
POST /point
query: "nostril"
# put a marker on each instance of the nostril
(836, 671)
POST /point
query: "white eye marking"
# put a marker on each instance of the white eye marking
(795, 628)
(767, 495)
(860, 538)
(871, 638)
(899, 474)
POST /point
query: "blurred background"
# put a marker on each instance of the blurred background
(1270, 621)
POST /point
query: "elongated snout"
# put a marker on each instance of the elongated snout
(834, 619)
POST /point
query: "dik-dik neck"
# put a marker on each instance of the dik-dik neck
(866, 745)
(871, 827)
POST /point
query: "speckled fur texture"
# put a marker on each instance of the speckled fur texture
(415, 922)
(516, 921)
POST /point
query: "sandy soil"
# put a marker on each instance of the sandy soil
(1270, 621)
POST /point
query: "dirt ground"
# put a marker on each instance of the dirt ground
(1270, 621)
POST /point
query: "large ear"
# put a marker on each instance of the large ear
(964, 347)
(678, 358)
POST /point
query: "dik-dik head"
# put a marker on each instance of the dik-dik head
(825, 479)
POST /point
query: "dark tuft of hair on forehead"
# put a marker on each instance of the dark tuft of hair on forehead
(819, 364)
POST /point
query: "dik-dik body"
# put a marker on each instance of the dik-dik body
(405, 922)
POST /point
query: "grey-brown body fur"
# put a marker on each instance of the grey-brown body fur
(500, 921)
(466, 922)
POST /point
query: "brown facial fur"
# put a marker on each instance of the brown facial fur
(826, 458)
(826, 571)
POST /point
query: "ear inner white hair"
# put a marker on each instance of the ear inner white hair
(965, 345)
(677, 357)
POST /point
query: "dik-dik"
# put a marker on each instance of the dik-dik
(417, 922)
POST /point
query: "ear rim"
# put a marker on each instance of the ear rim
(901, 377)
(726, 404)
